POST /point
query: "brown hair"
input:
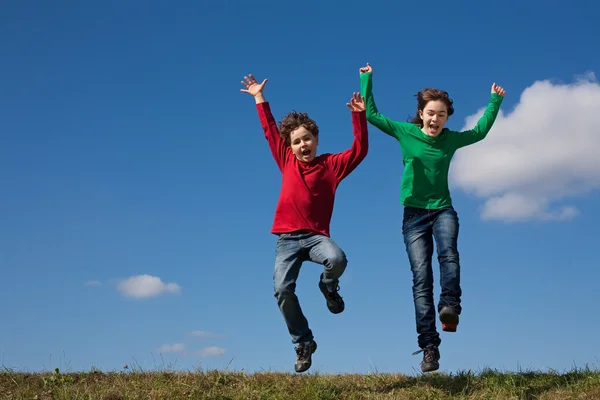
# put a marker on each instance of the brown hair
(427, 95)
(293, 121)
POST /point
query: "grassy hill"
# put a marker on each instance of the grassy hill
(488, 384)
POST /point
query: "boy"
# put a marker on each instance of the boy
(304, 209)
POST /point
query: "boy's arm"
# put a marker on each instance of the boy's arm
(279, 149)
(484, 124)
(345, 162)
(380, 121)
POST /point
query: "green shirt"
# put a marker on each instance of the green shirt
(426, 159)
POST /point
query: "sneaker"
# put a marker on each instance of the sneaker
(431, 357)
(449, 319)
(335, 303)
(304, 352)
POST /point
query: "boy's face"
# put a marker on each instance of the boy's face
(304, 144)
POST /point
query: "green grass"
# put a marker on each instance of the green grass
(487, 384)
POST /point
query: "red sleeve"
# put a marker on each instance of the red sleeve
(345, 162)
(279, 149)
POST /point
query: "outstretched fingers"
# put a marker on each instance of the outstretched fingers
(249, 81)
(357, 102)
(252, 86)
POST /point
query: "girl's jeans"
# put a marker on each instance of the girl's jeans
(420, 227)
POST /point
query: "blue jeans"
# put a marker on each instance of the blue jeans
(292, 250)
(420, 227)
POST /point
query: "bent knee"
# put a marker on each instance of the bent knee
(337, 261)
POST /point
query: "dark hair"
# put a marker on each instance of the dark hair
(293, 121)
(427, 95)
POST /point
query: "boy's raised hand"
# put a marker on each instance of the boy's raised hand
(357, 103)
(498, 90)
(368, 68)
(253, 87)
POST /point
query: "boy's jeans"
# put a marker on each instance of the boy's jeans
(418, 227)
(292, 250)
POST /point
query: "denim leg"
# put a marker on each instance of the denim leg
(323, 250)
(445, 232)
(288, 260)
(417, 232)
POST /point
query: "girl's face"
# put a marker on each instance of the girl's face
(434, 116)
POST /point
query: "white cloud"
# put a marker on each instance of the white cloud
(204, 334)
(171, 348)
(589, 76)
(212, 351)
(538, 156)
(519, 207)
(92, 283)
(146, 286)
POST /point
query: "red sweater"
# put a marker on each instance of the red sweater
(308, 189)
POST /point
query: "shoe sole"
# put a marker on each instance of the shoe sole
(337, 311)
(431, 369)
(449, 319)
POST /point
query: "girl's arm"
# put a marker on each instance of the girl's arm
(388, 126)
(485, 123)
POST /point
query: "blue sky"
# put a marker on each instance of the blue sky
(126, 149)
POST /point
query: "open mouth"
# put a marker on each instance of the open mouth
(306, 152)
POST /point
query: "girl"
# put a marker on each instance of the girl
(427, 148)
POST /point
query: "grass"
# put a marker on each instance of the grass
(488, 384)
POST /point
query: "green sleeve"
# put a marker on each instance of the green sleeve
(386, 125)
(483, 126)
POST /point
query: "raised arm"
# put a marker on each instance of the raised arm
(380, 121)
(279, 149)
(484, 124)
(345, 162)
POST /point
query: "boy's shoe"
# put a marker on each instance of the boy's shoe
(335, 303)
(449, 319)
(431, 358)
(304, 353)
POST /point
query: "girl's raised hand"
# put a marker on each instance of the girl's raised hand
(498, 90)
(366, 69)
(357, 103)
